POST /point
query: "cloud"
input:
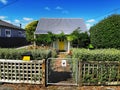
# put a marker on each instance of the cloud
(4, 1)
(65, 12)
(8, 21)
(62, 10)
(27, 19)
(88, 26)
(47, 8)
(58, 8)
(17, 21)
(3, 17)
(91, 20)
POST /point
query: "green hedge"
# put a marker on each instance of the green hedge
(106, 33)
(96, 55)
(37, 54)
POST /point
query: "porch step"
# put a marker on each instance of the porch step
(62, 55)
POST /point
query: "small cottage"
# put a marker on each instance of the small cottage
(59, 25)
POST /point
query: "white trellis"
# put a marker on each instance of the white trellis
(18, 71)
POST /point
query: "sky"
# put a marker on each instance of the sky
(25, 11)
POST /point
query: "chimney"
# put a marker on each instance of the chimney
(20, 25)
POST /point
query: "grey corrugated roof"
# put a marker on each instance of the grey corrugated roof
(58, 25)
(6, 24)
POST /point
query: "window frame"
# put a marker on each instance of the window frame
(7, 30)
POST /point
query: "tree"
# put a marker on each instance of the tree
(81, 39)
(45, 39)
(106, 33)
(30, 29)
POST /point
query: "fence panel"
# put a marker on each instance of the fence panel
(18, 71)
(100, 72)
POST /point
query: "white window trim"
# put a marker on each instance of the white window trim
(6, 34)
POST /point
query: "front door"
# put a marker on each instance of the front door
(61, 44)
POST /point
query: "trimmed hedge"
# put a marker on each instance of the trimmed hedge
(106, 33)
(96, 55)
(37, 54)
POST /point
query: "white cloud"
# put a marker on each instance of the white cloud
(65, 12)
(17, 21)
(4, 1)
(91, 20)
(58, 8)
(8, 21)
(88, 26)
(47, 8)
(3, 17)
(27, 19)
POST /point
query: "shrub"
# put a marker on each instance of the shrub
(96, 55)
(106, 33)
(37, 54)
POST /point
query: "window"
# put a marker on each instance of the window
(8, 33)
(21, 34)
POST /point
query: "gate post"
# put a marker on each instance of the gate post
(80, 73)
(43, 73)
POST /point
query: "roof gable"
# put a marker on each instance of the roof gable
(58, 25)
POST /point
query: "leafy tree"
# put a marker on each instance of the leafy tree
(70, 37)
(81, 39)
(61, 36)
(45, 39)
(106, 33)
(30, 29)
(84, 40)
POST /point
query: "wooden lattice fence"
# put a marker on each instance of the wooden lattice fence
(18, 71)
(99, 73)
(33, 72)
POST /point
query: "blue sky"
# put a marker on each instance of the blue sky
(25, 11)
